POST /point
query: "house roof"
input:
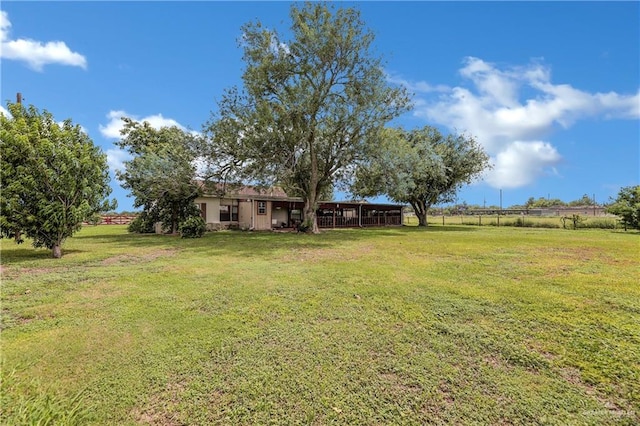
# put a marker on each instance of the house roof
(274, 193)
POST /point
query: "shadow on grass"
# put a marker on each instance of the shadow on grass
(29, 253)
(241, 243)
(440, 228)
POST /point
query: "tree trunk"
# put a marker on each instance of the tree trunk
(310, 218)
(420, 209)
(422, 218)
(57, 251)
(311, 198)
(174, 221)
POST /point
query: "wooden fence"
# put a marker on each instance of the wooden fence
(115, 219)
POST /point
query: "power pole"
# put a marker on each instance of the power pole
(18, 98)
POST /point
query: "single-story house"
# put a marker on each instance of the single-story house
(255, 209)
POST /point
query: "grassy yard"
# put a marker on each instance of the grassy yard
(452, 324)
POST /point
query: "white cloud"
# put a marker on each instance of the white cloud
(36, 53)
(116, 158)
(511, 126)
(4, 112)
(521, 163)
(112, 129)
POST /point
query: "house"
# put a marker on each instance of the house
(256, 209)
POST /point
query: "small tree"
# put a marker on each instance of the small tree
(421, 167)
(627, 207)
(161, 175)
(309, 107)
(585, 200)
(53, 178)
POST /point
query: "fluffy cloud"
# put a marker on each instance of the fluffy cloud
(521, 162)
(4, 112)
(36, 53)
(116, 158)
(112, 129)
(510, 126)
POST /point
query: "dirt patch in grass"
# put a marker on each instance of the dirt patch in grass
(160, 410)
(317, 255)
(9, 319)
(10, 273)
(126, 259)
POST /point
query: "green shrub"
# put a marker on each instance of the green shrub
(601, 223)
(193, 227)
(141, 225)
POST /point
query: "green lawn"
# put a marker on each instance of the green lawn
(457, 324)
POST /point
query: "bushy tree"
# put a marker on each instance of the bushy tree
(543, 202)
(421, 167)
(309, 106)
(627, 206)
(161, 175)
(53, 178)
(585, 200)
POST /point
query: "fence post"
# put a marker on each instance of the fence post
(443, 220)
(480, 220)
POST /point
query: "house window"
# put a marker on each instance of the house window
(228, 213)
(296, 215)
(262, 207)
(225, 213)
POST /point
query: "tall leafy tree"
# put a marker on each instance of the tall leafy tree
(53, 178)
(161, 174)
(627, 206)
(309, 105)
(421, 167)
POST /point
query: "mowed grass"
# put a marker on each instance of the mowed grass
(462, 325)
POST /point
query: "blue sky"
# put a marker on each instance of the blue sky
(551, 89)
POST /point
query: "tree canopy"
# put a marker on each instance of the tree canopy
(308, 107)
(627, 206)
(53, 178)
(162, 173)
(421, 167)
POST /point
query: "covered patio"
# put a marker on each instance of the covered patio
(340, 214)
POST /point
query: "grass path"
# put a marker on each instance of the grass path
(389, 326)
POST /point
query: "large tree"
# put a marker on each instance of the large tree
(161, 174)
(309, 106)
(627, 206)
(53, 178)
(421, 167)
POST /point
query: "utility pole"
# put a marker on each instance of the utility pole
(18, 98)
(499, 213)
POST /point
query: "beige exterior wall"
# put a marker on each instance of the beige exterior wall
(213, 209)
(244, 214)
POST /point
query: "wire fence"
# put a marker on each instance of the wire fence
(568, 222)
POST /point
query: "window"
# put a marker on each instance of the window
(224, 213)
(228, 213)
(262, 207)
(296, 215)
